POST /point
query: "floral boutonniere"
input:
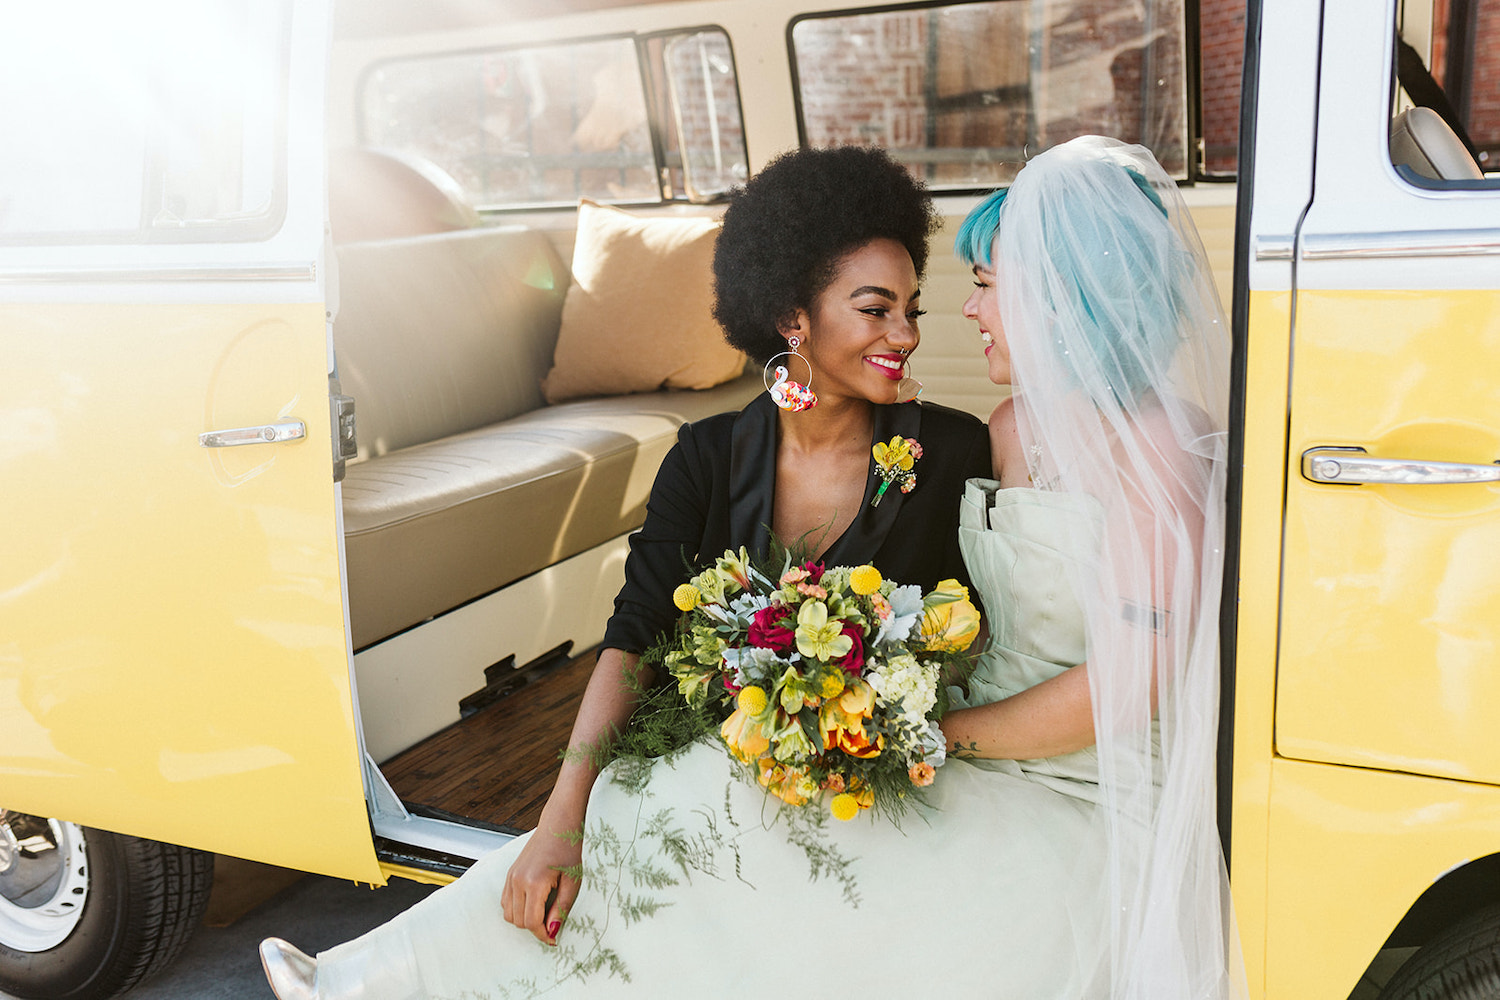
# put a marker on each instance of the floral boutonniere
(895, 459)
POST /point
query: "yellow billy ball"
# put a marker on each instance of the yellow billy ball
(686, 597)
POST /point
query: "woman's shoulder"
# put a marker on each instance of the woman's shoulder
(715, 433)
(947, 420)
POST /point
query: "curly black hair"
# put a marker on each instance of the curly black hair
(786, 232)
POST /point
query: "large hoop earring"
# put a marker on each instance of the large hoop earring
(908, 388)
(790, 396)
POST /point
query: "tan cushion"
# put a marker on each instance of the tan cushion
(433, 526)
(638, 315)
(441, 334)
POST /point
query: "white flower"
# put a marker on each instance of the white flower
(902, 679)
(906, 611)
(744, 607)
(934, 747)
(753, 665)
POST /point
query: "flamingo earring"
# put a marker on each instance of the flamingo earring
(790, 396)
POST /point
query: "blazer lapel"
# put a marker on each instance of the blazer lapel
(867, 534)
(752, 475)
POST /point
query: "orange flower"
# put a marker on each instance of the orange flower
(921, 773)
(791, 785)
(743, 736)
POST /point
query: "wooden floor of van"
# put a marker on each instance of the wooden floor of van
(498, 765)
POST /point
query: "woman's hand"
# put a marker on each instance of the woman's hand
(537, 894)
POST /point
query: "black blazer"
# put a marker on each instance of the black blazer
(715, 491)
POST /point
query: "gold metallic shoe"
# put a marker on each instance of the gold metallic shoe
(293, 975)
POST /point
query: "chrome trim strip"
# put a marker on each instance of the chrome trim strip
(305, 271)
(1273, 247)
(1431, 243)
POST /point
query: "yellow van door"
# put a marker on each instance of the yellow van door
(173, 653)
(1389, 640)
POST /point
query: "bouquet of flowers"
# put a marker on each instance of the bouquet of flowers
(820, 680)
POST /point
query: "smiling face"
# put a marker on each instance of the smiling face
(861, 322)
(983, 306)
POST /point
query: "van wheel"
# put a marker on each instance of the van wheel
(86, 914)
(1461, 963)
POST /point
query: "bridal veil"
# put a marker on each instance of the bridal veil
(1119, 353)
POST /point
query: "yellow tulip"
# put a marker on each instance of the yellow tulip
(950, 622)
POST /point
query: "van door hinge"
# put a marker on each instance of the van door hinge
(341, 415)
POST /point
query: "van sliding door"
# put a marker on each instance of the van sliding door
(173, 650)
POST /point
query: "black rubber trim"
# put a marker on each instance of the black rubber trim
(1239, 348)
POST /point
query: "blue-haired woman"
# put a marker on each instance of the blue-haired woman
(1067, 848)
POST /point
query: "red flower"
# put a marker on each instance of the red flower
(768, 629)
(854, 663)
(814, 571)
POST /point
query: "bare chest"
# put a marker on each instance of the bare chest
(817, 500)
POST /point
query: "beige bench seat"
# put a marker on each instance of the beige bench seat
(466, 480)
(435, 525)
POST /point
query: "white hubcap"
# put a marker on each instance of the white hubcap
(44, 881)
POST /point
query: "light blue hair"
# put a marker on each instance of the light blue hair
(977, 234)
(1127, 357)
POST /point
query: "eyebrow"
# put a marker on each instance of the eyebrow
(877, 290)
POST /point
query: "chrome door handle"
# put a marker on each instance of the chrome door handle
(1352, 466)
(284, 430)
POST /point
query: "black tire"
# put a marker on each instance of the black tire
(144, 900)
(1461, 963)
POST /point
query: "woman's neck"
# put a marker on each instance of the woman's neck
(831, 424)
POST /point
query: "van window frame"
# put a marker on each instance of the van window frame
(656, 123)
(257, 228)
(1192, 83)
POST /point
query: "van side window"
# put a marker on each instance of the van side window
(1445, 124)
(963, 93)
(123, 137)
(629, 119)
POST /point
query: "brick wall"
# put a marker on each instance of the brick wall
(1222, 45)
(967, 92)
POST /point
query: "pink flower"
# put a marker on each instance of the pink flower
(854, 663)
(814, 571)
(812, 590)
(768, 629)
(794, 575)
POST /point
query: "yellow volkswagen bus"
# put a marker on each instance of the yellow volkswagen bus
(319, 446)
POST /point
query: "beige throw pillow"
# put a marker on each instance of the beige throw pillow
(638, 316)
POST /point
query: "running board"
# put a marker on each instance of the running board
(424, 841)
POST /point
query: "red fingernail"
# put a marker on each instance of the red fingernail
(552, 928)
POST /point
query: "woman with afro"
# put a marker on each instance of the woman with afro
(817, 278)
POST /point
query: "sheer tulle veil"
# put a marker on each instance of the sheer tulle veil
(1119, 357)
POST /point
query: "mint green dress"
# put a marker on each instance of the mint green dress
(991, 889)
